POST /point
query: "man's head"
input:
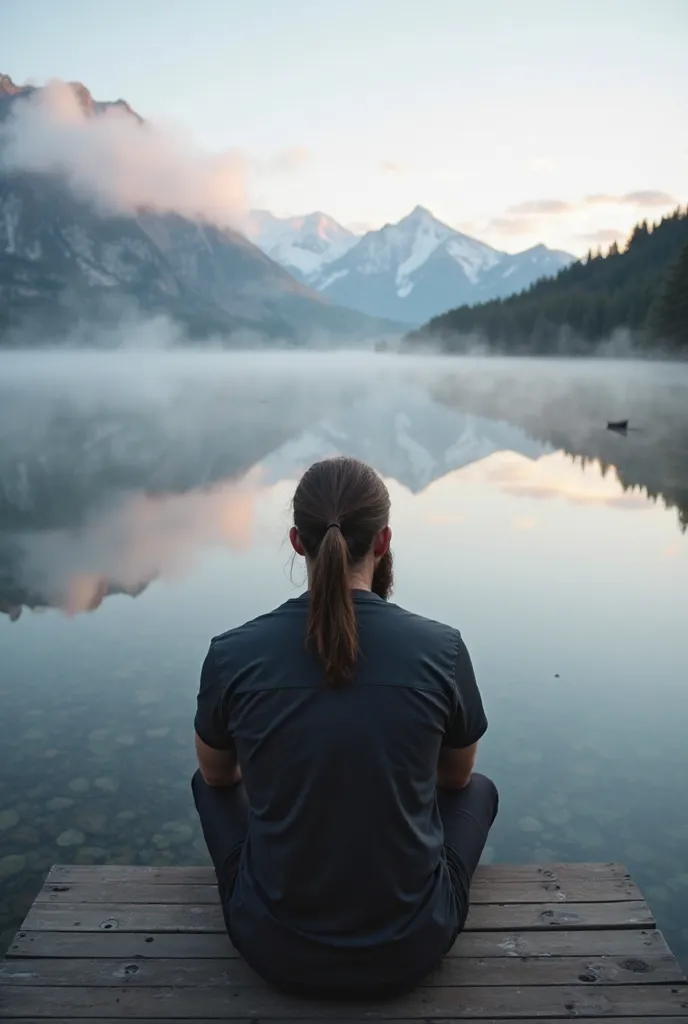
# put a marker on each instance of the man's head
(341, 527)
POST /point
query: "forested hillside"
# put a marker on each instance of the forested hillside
(642, 287)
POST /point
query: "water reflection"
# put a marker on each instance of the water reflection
(119, 539)
(516, 516)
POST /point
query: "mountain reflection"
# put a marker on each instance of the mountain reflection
(104, 498)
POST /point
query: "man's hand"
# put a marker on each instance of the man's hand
(218, 767)
(455, 766)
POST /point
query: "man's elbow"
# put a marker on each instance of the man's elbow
(454, 780)
(218, 780)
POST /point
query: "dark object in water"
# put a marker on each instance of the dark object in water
(617, 425)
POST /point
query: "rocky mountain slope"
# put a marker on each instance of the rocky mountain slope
(66, 263)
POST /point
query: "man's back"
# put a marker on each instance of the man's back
(344, 849)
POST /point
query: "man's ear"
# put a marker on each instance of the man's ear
(382, 542)
(296, 542)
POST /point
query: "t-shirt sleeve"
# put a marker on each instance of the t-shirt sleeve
(211, 710)
(469, 722)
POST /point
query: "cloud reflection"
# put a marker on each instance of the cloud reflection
(140, 538)
(552, 476)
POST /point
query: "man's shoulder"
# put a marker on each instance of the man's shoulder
(256, 629)
(418, 627)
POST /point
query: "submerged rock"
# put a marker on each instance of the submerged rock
(79, 785)
(158, 732)
(11, 865)
(8, 819)
(34, 734)
(144, 697)
(529, 824)
(107, 784)
(26, 835)
(70, 837)
(59, 803)
(558, 816)
(127, 815)
(90, 855)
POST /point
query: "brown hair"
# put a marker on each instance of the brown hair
(339, 506)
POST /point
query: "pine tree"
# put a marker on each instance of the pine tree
(588, 300)
(670, 316)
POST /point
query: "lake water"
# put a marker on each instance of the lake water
(144, 505)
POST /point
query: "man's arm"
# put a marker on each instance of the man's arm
(218, 767)
(455, 766)
(460, 742)
(215, 747)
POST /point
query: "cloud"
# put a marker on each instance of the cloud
(648, 197)
(390, 167)
(511, 226)
(359, 227)
(540, 206)
(119, 162)
(603, 235)
(525, 523)
(286, 161)
(543, 164)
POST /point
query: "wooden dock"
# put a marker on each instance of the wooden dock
(542, 942)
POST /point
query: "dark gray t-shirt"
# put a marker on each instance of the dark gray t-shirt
(343, 874)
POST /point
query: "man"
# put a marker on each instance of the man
(336, 739)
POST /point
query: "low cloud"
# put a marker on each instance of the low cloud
(603, 235)
(511, 226)
(643, 198)
(359, 227)
(538, 207)
(119, 162)
(543, 164)
(649, 198)
(287, 161)
(390, 167)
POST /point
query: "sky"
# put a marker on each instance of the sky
(517, 121)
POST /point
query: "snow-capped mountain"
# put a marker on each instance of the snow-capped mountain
(409, 271)
(407, 437)
(304, 245)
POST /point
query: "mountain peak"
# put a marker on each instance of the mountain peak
(303, 244)
(10, 91)
(420, 214)
(8, 87)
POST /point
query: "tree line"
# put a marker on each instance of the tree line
(642, 288)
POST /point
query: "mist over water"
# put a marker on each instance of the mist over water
(144, 505)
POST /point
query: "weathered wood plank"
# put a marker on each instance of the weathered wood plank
(461, 972)
(517, 873)
(529, 916)
(628, 942)
(231, 1002)
(485, 891)
(190, 918)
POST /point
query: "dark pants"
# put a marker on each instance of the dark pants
(467, 815)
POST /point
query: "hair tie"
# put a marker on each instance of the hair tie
(330, 525)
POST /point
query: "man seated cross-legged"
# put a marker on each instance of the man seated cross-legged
(336, 739)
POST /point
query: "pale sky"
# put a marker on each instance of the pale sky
(504, 117)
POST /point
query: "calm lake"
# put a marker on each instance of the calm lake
(144, 506)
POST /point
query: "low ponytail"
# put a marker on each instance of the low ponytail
(331, 616)
(339, 506)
